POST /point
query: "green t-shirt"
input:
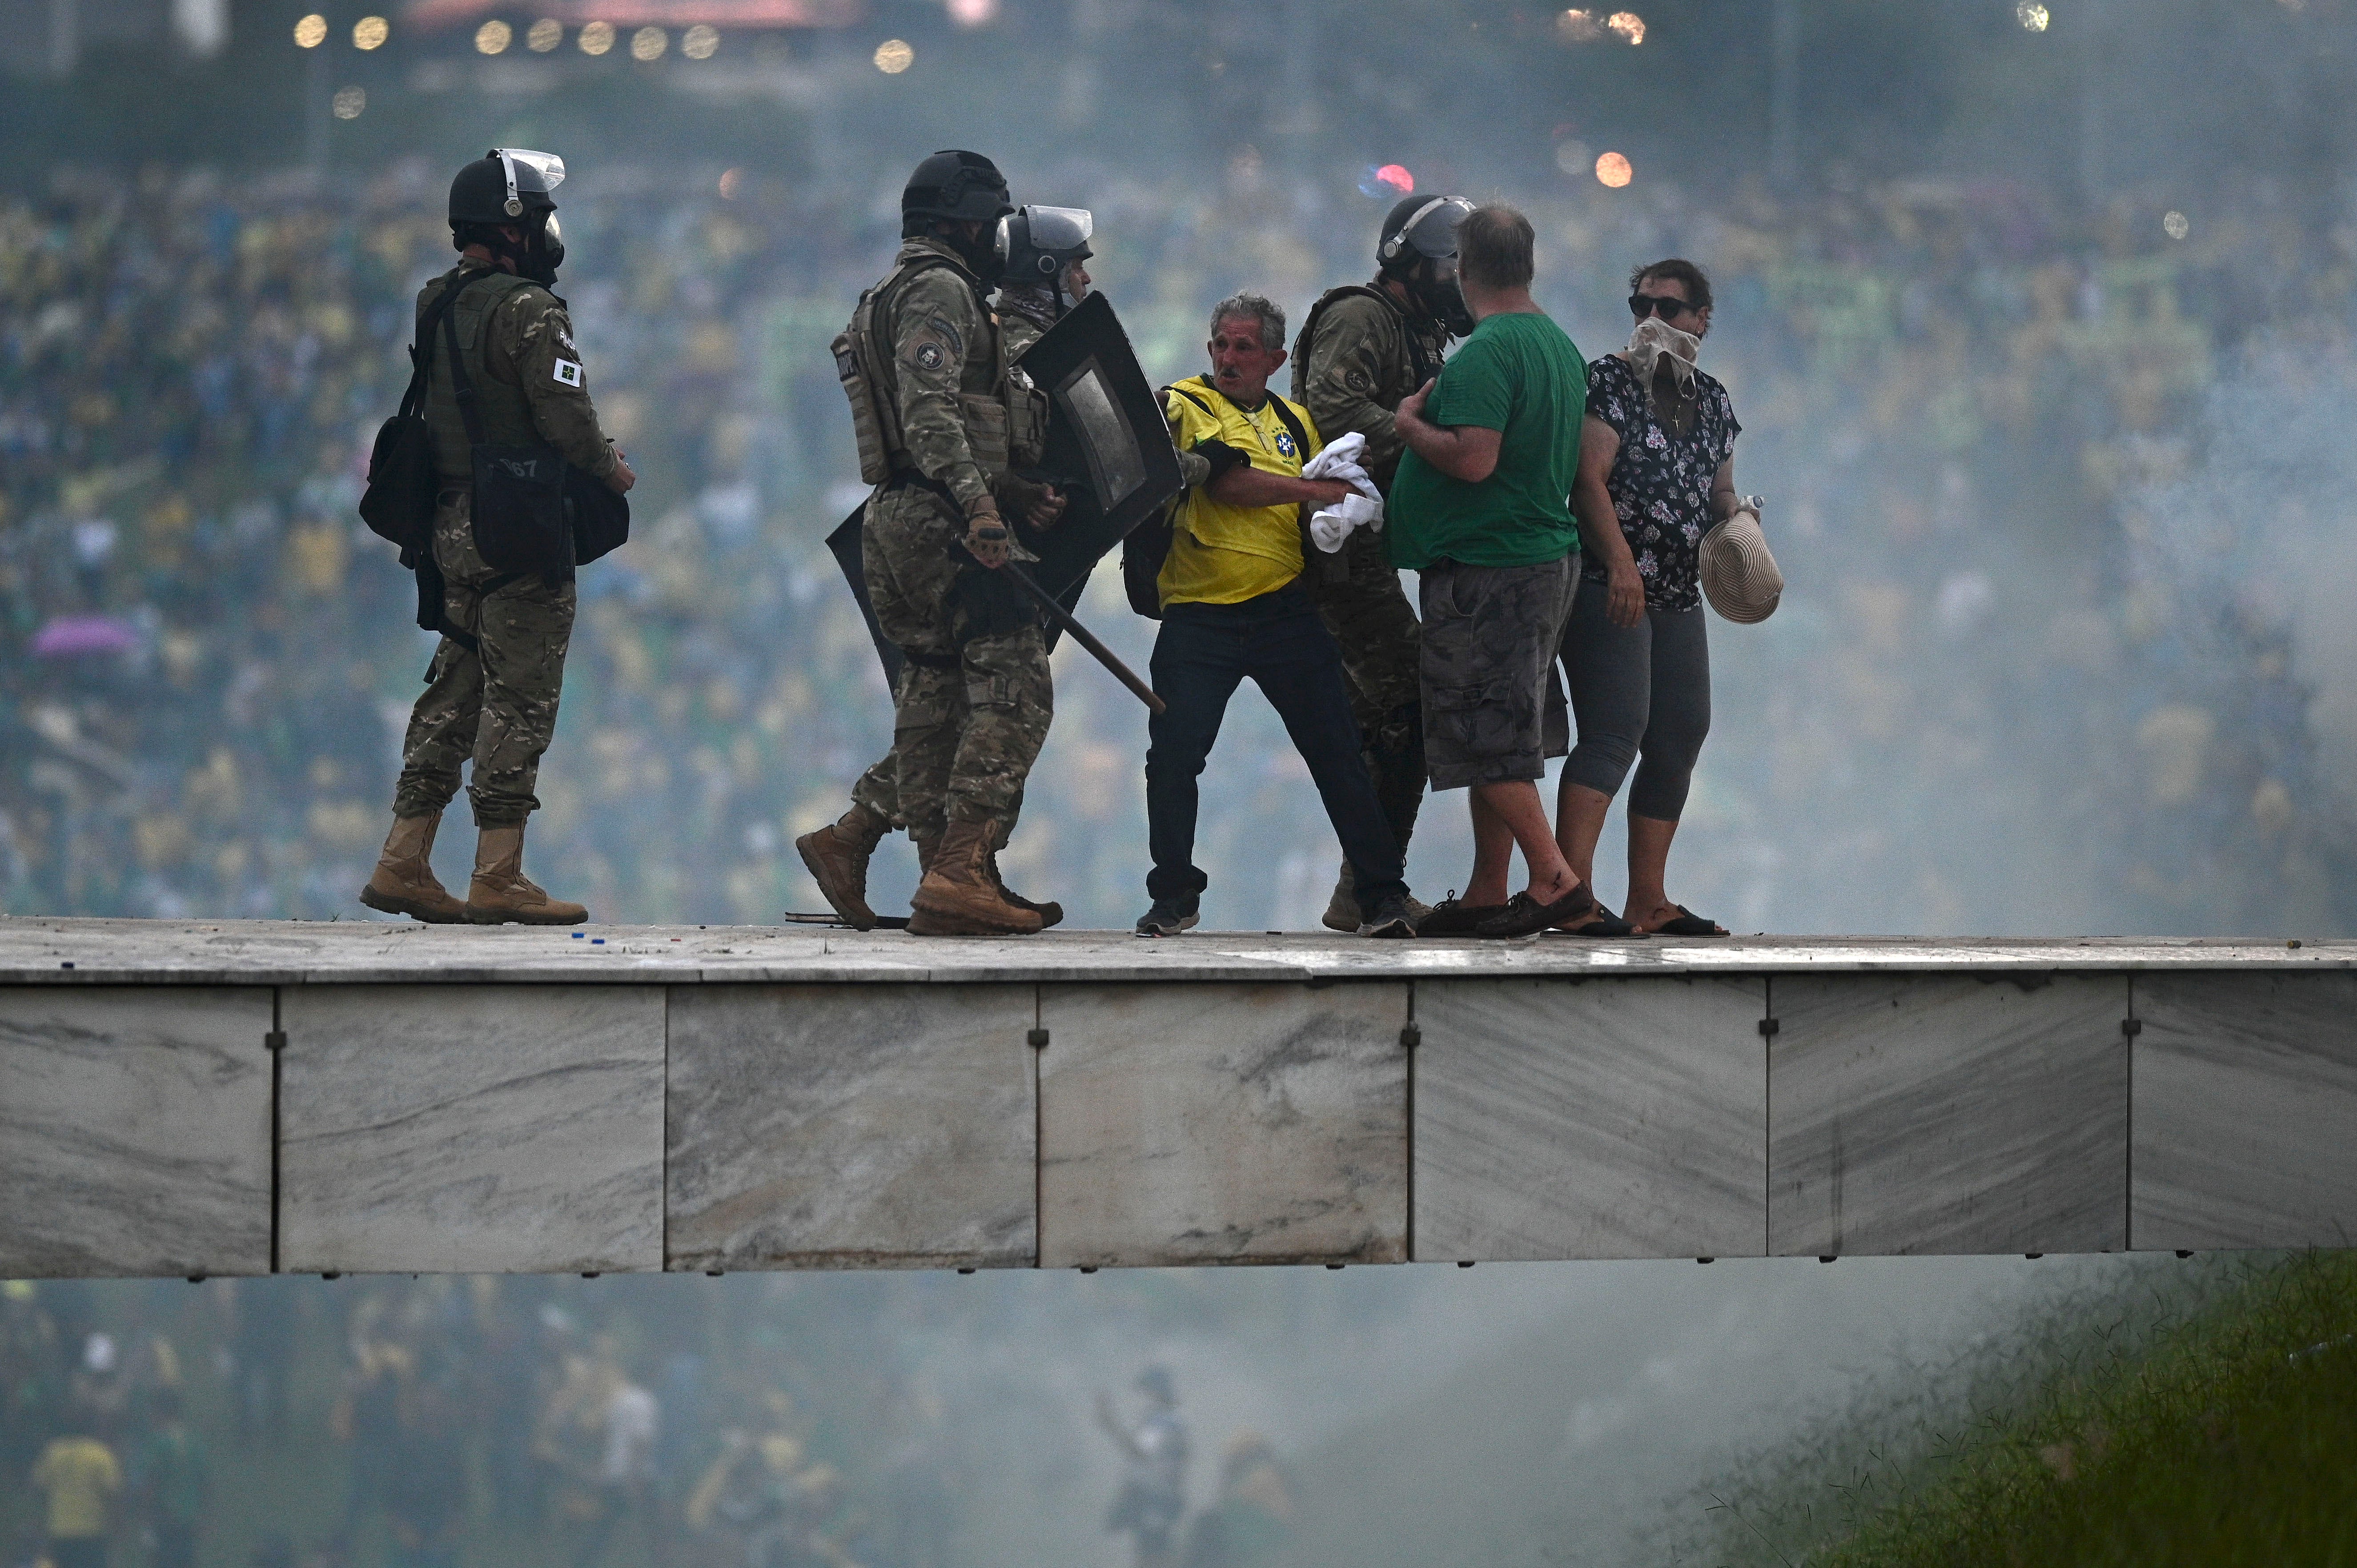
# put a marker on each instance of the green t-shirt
(1520, 376)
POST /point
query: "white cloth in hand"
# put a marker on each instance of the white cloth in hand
(1330, 526)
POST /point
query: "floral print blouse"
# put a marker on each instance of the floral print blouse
(1660, 482)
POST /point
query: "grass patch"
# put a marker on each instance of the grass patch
(2206, 1416)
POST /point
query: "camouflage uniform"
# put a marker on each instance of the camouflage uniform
(975, 698)
(1022, 321)
(496, 702)
(1358, 356)
(1026, 311)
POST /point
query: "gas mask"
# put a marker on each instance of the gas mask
(1421, 252)
(532, 179)
(1441, 297)
(985, 257)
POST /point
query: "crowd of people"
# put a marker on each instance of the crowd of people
(422, 1416)
(1961, 403)
(421, 1424)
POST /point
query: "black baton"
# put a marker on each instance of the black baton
(1085, 638)
(1080, 634)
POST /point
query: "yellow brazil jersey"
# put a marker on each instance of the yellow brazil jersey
(1226, 555)
(80, 1474)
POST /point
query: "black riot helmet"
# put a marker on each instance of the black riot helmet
(1038, 243)
(1419, 248)
(956, 187)
(963, 187)
(510, 188)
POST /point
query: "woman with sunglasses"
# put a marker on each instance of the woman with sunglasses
(1656, 470)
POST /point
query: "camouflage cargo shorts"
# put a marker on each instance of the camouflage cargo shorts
(1493, 707)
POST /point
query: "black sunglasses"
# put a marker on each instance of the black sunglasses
(1643, 304)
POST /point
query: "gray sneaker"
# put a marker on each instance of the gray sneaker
(1168, 918)
(1342, 909)
(1392, 916)
(1343, 914)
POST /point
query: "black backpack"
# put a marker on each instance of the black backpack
(534, 511)
(398, 505)
(1144, 548)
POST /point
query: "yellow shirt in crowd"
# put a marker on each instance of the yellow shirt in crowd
(80, 1474)
(1226, 555)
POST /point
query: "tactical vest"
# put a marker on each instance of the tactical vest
(1422, 364)
(1007, 422)
(507, 418)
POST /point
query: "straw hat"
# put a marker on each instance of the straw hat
(1738, 576)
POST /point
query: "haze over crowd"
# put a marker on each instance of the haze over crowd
(2039, 318)
(1985, 313)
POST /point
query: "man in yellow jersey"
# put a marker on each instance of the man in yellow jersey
(81, 1477)
(1232, 607)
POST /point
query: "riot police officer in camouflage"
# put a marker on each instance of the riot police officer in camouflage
(491, 690)
(940, 418)
(1363, 347)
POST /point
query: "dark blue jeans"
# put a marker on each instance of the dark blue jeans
(1201, 654)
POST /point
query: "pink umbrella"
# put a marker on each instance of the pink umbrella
(70, 636)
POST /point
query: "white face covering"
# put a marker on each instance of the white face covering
(1655, 339)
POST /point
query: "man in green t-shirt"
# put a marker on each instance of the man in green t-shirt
(1481, 510)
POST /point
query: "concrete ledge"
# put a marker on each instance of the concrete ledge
(1222, 1124)
(41, 951)
(2246, 1110)
(461, 1129)
(135, 1131)
(1953, 1113)
(1591, 1118)
(240, 1097)
(838, 1126)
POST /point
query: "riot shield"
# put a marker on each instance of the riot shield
(1108, 445)
(844, 545)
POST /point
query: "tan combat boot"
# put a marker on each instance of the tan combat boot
(958, 898)
(501, 892)
(404, 882)
(1050, 913)
(837, 855)
(919, 923)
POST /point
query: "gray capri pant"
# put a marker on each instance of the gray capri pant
(1642, 688)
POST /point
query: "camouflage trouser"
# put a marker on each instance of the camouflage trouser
(495, 703)
(968, 721)
(1370, 618)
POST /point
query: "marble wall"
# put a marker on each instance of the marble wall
(595, 1127)
(135, 1131)
(1591, 1119)
(457, 1129)
(2246, 1110)
(1920, 1114)
(1206, 1123)
(852, 1126)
